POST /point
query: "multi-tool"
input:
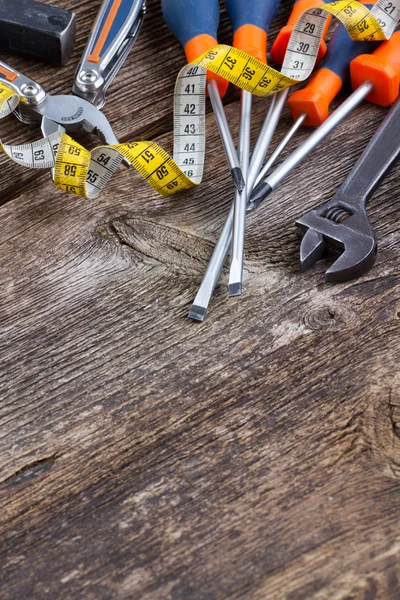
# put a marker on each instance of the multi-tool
(114, 33)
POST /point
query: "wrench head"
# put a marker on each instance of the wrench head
(335, 230)
(73, 113)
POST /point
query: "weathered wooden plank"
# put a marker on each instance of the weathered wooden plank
(144, 456)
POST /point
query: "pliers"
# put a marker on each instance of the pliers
(341, 225)
(114, 33)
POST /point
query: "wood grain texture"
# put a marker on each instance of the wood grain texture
(142, 456)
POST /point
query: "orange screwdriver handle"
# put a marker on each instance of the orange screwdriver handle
(382, 68)
(315, 98)
(281, 42)
(251, 20)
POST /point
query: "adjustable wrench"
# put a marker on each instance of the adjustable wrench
(342, 223)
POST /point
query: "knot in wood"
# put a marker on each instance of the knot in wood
(331, 317)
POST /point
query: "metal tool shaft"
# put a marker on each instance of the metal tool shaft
(265, 137)
(226, 136)
(221, 250)
(213, 271)
(288, 165)
(280, 148)
(240, 203)
(239, 224)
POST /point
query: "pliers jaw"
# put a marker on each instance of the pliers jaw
(69, 113)
(331, 229)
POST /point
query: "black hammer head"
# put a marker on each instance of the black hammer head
(36, 30)
(334, 230)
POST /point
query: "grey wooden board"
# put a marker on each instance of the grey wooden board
(144, 456)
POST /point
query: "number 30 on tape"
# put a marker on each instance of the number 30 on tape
(78, 171)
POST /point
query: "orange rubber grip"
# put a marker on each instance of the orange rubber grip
(95, 56)
(315, 98)
(281, 42)
(382, 68)
(198, 46)
(252, 40)
(9, 75)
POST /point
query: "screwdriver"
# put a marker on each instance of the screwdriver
(260, 150)
(310, 105)
(377, 78)
(195, 24)
(250, 21)
(278, 100)
(263, 142)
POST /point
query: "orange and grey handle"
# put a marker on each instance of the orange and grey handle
(26, 88)
(251, 20)
(195, 24)
(382, 69)
(281, 42)
(113, 35)
(7, 74)
(315, 98)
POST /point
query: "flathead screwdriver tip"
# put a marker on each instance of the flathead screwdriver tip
(238, 179)
(235, 289)
(197, 313)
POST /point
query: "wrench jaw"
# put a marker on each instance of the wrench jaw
(321, 237)
(354, 262)
(312, 248)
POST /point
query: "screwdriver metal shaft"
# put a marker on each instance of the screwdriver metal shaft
(226, 136)
(297, 156)
(221, 250)
(240, 203)
(239, 225)
(280, 147)
(251, 20)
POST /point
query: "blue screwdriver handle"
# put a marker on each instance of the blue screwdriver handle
(188, 20)
(195, 24)
(251, 20)
(252, 12)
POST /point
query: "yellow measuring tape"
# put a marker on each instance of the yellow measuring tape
(78, 171)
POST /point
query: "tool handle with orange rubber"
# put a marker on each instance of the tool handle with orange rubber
(28, 89)
(115, 31)
(315, 98)
(251, 21)
(278, 49)
(382, 69)
(195, 25)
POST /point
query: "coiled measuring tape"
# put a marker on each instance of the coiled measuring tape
(79, 171)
